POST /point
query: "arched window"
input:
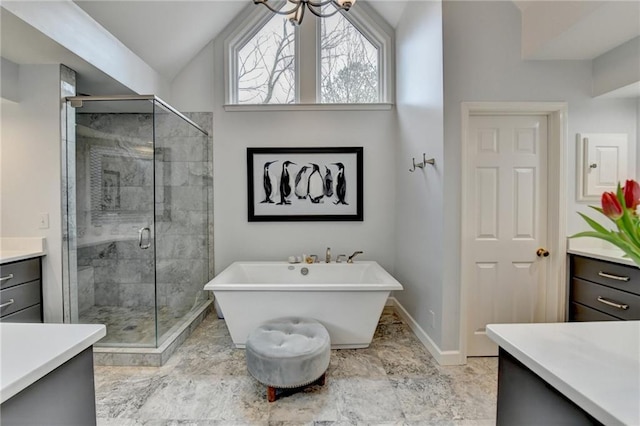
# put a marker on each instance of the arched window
(265, 65)
(349, 70)
(342, 59)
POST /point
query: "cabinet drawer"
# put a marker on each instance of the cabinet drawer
(19, 297)
(601, 297)
(31, 314)
(626, 278)
(580, 313)
(19, 272)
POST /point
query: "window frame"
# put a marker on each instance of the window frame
(362, 16)
(237, 40)
(374, 37)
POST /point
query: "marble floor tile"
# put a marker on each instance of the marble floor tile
(367, 400)
(355, 363)
(122, 396)
(315, 403)
(406, 360)
(393, 382)
(194, 398)
(222, 358)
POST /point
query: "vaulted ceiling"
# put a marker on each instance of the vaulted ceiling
(168, 34)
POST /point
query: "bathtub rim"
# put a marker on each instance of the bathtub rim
(218, 284)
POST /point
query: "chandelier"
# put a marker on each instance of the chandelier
(296, 12)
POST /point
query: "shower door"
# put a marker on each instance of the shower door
(138, 184)
(115, 238)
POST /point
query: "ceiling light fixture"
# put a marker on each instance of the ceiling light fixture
(296, 12)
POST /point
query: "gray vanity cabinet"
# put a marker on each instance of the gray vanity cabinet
(21, 291)
(602, 291)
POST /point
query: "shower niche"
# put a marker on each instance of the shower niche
(139, 202)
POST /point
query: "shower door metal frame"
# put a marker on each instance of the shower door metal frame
(76, 102)
(71, 313)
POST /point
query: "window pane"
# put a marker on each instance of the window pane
(266, 65)
(349, 71)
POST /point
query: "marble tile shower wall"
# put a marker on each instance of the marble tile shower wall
(115, 198)
(182, 214)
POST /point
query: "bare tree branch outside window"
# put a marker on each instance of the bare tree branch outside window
(349, 64)
(266, 65)
(349, 70)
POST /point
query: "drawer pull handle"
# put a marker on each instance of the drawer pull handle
(10, 302)
(613, 277)
(613, 304)
(8, 277)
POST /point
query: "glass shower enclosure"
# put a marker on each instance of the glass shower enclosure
(138, 190)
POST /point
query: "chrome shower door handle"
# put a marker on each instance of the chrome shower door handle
(141, 233)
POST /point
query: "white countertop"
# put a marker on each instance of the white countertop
(30, 351)
(598, 249)
(14, 249)
(594, 364)
(7, 256)
(610, 255)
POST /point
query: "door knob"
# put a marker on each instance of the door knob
(542, 252)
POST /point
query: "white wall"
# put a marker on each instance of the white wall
(30, 173)
(237, 239)
(71, 27)
(192, 88)
(540, 32)
(617, 68)
(419, 197)
(482, 63)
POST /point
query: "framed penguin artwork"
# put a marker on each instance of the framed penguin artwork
(304, 184)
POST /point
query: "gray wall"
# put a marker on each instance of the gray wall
(482, 63)
(419, 197)
(237, 239)
(30, 170)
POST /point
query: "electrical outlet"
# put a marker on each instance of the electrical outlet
(44, 221)
(432, 315)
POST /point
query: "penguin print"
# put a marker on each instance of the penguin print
(269, 183)
(301, 184)
(341, 185)
(315, 184)
(328, 182)
(285, 184)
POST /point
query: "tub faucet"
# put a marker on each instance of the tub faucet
(355, 253)
(339, 258)
(327, 256)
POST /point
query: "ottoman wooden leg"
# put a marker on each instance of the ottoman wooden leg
(271, 394)
(323, 379)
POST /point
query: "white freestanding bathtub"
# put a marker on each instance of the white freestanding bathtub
(347, 298)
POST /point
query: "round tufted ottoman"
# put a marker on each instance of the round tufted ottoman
(288, 352)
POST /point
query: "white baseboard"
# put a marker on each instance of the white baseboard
(443, 357)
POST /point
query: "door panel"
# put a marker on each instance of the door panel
(605, 162)
(487, 196)
(507, 213)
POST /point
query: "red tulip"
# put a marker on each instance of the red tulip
(631, 194)
(611, 206)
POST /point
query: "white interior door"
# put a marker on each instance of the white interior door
(507, 223)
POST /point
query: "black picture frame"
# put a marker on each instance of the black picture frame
(270, 199)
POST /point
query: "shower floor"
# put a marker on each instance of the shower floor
(132, 327)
